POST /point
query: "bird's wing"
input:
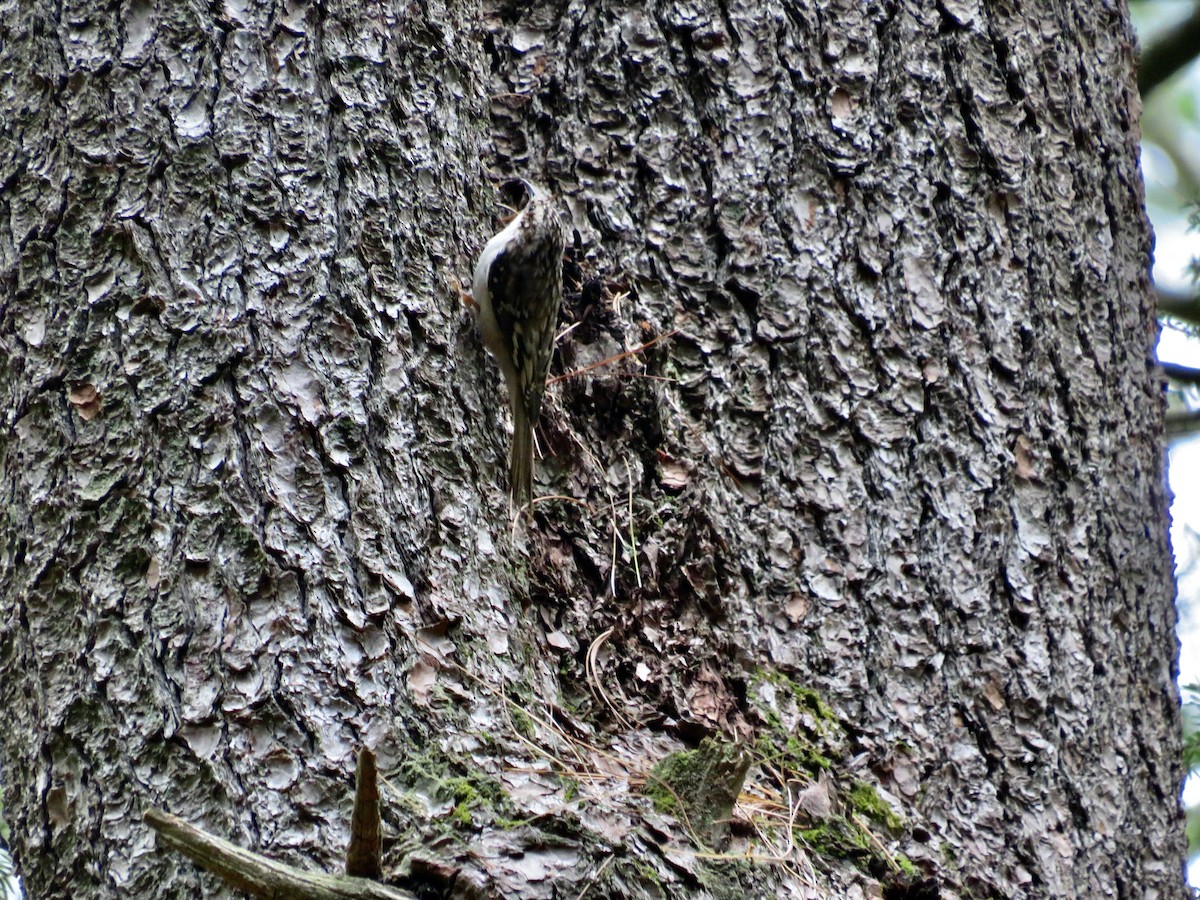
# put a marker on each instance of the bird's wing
(504, 286)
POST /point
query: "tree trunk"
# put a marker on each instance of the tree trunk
(887, 508)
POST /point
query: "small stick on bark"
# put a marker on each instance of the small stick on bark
(364, 855)
(257, 875)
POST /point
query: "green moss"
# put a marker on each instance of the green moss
(809, 748)
(806, 698)
(838, 838)
(700, 787)
(660, 794)
(841, 837)
(647, 872)
(470, 794)
(771, 717)
(781, 746)
(793, 754)
(570, 789)
(906, 866)
(461, 815)
(523, 723)
(815, 738)
(733, 878)
(461, 789)
(866, 800)
(811, 700)
(466, 797)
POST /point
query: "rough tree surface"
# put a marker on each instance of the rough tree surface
(887, 509)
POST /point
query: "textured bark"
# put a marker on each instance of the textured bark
(908, 452)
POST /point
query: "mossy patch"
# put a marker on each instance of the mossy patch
(700, 787)
(474, 797)
(523, 723)
(733, 879)
(800, 741)
(802, 735)
(866, 800)
(791, 753)
(476, 792)
(805, 697)
(837, 837)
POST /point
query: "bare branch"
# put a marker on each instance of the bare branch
(1170, 53)
(1178, 305)
(1180, 374)
(1182, 424)
(257, 875)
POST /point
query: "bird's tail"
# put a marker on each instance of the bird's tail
(520, 464)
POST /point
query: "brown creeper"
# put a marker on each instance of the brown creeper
(518, 288)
